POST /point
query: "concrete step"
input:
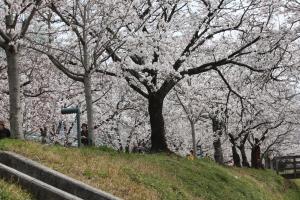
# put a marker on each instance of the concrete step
(39, 189)
(53, 178)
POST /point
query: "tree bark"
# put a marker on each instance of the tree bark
(158, 133)
(245, 162)
(236, 157)
(218, 155)
(89, 108)
(255, 156)
(16, 119)
(217, 129)
(193, 137)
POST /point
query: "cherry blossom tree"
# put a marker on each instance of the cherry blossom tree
(219, 73)
(185, 38)
(79, 32)
(15, 20)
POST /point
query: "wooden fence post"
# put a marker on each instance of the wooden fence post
(276, 161)
(295, 167)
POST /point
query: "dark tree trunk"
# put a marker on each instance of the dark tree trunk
(236, 157)
(217, 130)
(218, 155)
(255, 156)
(245, 162)
(158, 138)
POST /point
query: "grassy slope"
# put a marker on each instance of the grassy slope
(9, 191)
(138, 176)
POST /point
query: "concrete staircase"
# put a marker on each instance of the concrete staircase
(45, 183)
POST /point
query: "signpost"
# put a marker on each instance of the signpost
(76, 111)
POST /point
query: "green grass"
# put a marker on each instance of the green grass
(10, 191)
(158, 176)
(297, 181)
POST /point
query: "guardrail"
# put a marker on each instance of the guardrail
(287, 166)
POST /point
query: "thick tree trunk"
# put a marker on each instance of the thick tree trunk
(236, 157)
(16, 119)
(217, 130)
(89, 108)
(245, 162)
(218, 154)
(158, 138)
(255, 156)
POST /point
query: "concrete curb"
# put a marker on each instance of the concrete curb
(38, 188)
(53, 178)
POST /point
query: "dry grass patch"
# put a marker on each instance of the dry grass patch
(10, 191)
(156, 176)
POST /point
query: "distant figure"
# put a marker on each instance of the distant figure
(255, 155)
(141, 147)
(191, 156)
(44, 134)
(84, 134)
(4, 132)
(200, 151)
